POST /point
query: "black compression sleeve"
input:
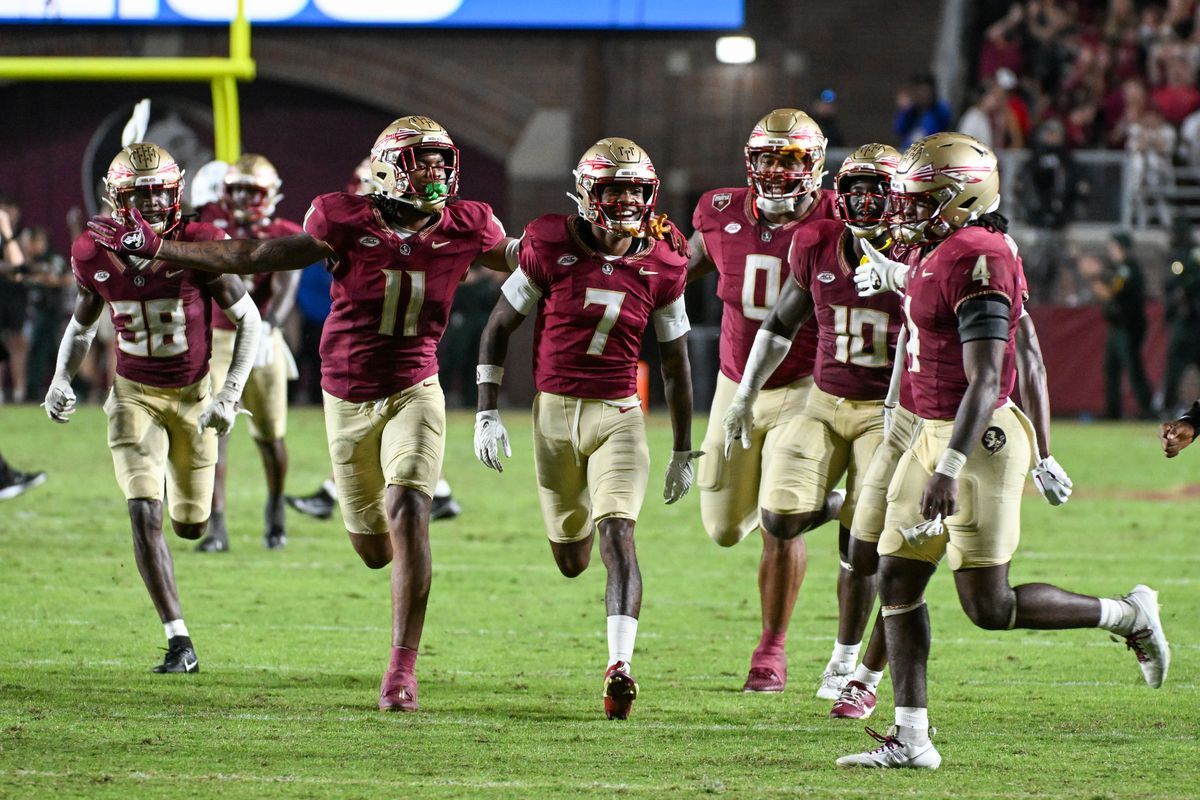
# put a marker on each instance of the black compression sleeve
(983, 318)
(1193, 416)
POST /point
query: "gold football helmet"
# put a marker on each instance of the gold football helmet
(251, 189)
(615, 161)
(397, 152)
(865, 213)
(952, 176)
(786, 132)
(145, 176)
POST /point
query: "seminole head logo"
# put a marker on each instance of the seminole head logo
(134, 240)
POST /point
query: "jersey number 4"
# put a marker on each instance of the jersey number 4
(151, 328)
(391, 301)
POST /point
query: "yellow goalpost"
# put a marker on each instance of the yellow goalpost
(221, 73)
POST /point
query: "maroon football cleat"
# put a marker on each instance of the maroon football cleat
(398, 692)
(855, 702)
(763, 678)
(620, 690)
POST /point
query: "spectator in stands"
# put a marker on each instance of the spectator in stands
(824, 113)
(977, 119)
(14, 302)
(51, 300)
(1178, 97)
(1001, 47)
(1123, 290)
(1049, 185)
(919, 112)
(1182, 296)
(1149, 174)
(1125, 109)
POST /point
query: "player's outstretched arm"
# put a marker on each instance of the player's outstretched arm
(699, 262)
(502, 257)
(228, 256)
(81, 329)
(1179, 434)
(1051, 479)
(235, 301)
(671, 326)
(519, 297)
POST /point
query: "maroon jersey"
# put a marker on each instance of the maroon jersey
(972, 262)
(260, 287)
(751, 259)
(391, 296)
(856, 336)
(162, 313)
(593, 311)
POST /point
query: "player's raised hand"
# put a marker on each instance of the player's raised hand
(135, 237)
(680, 474)
(60, 401)
(490, 439)
(1175, 436)
(664, 230)
(879, 274)
(1052, 481)
(738, 422)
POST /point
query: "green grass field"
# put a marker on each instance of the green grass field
(292, 645)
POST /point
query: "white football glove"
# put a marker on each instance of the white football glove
(880, 274)
(680, 474)
(219, 414)
(739, 421)
(1052, 481)
(60, 400)
(266, 346)
(490, 438)
(923, 531)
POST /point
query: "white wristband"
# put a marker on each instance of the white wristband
(489, 373)
(951, 463)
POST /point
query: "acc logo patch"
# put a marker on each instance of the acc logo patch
(567, 260)
(369, 241)
(826, 277)
(133, 240)
(733, 228)
(993, 440)
(101, 276)
(721, 200)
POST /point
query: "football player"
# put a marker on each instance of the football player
(842, 422)
(744, 234)
(163, 412)
(957, 489)
(396, 257)
(246, 210)
(596, 280)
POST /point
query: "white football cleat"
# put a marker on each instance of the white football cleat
(832, 683)
(894, 753)
(1147, 640)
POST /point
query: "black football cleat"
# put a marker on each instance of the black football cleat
(319, 504)
(13, 483)
(444, 508)
(181, 657)
(274, 538)
(217, 538)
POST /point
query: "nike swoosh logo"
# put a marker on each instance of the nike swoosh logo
(436, 245)
(926, 274)
(188, 666)
(171, 274)
(645, 272)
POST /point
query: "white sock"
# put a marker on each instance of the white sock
(868, 677)
(843, 658)
(622, 631)
(175, 628)
(442, 489)
(330, 488)
(916, 720)
(1116, 616)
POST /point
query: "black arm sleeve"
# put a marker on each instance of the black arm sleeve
(1192, 416)
(983, 317)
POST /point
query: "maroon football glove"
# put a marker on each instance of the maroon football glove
(135, 237)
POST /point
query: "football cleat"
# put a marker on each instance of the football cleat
(1147, 640)
(765, 679)
(181, 657)
(217, 538)
(831, 685)
(398, 692)
(319, 504)
(13, 483)
(620, 690)
(444, 508)
(855, 702)
(274, 538)
(894, 753)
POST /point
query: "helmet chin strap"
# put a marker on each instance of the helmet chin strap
(771, 205)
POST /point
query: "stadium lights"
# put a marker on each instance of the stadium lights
(736, 49)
